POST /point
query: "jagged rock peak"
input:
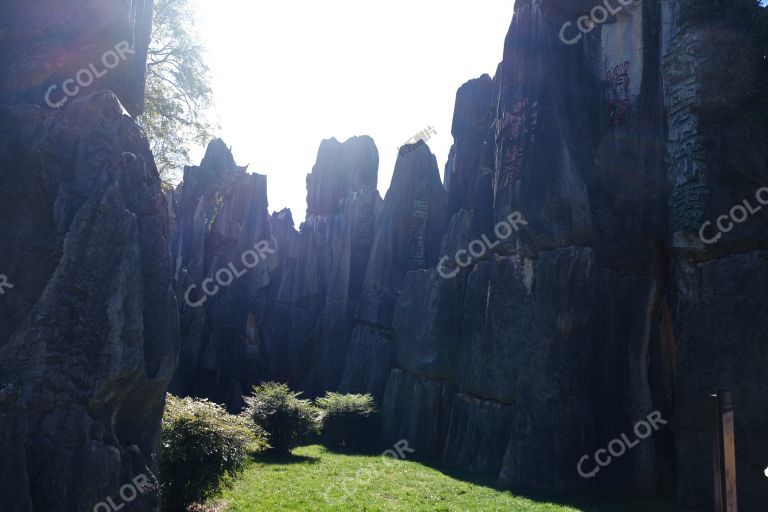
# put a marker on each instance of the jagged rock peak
(284, 216)
(341, 168)
(218, 158)
(408, 233)
(474, 114)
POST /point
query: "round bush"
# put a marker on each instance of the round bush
(348, 421)
(201, 448)
(288, 420)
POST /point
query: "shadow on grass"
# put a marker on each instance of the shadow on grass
(585, 503)
(283, 458)
(604, 503)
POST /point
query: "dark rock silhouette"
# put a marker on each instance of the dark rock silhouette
(223, 253)
(89, 335)
(100, 45)
(89, 331)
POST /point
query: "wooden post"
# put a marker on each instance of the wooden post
(724, 451)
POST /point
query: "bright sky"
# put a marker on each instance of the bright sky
(288, 74)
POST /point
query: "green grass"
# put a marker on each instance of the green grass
(314, 479)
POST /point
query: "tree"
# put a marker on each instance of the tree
(178, 92)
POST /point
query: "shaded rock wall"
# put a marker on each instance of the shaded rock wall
(89, 332)
(223, 253)
(97, 44)
(582, 323)
(717, 162)
(319, 314)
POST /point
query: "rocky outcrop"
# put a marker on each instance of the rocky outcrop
(52, 53)
(407, 239)
(599, 310)
(716, 143)
(291, 317)
(89, 335)
(89, 329)
(223, 253)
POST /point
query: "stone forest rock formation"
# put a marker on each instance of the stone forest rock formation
(48, 42)
(603, 308)
(604, 304)
(89, 331)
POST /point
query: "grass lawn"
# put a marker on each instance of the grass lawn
(314, 479)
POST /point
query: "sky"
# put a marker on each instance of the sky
(288, 74)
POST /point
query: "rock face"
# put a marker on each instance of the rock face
(89, 335)
(223, 253)
(569, 280)
(53, 52)
(599, 310)
(89, 322)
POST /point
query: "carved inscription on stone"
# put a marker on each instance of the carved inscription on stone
(516, 129)
(417, 235)
(685, 145)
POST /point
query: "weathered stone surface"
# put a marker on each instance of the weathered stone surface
(416, 410)
(715, 141)
(222, 216)
(547, 186)
(287, 357)
(89, 335)
(312, 321)
(474, 114)
(519, 326)
(341, 169)
(478, 434)
(351, 237)
(47, 42)
(721, 331)
(369, 360)
(428, 324)
(407, 236)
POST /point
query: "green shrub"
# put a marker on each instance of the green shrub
(348, 421)
(201, 448)
(288, 420)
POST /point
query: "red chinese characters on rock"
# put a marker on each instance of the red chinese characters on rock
(616, 83)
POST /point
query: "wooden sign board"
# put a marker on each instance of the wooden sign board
(724, 451)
